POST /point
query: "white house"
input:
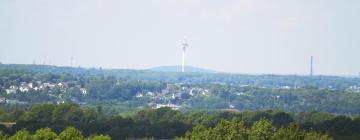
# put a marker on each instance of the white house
(11, 90)
(83, 91)
(24, 89)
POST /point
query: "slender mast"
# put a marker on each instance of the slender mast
(311, 66)
(184, 45)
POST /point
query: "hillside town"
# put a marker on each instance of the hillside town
(172, 95)
(51, 89)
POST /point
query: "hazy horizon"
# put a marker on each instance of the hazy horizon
(235, 36)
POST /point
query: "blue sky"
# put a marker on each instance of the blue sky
(239, 36)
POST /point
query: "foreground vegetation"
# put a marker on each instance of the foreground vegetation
(165, 123)
(224, 130)
(70, 133)
(260, 130)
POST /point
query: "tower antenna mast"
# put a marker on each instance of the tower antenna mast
(184, 45)
(71, 61)
(311, 66)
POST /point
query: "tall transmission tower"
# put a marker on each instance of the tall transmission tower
(71, 61)
(184, 45)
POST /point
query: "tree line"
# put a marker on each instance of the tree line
(260, 130)
(165, 123)
(70, 133)
(270, 81)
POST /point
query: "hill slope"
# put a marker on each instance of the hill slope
(178, 69)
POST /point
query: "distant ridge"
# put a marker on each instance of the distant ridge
(178, 69)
